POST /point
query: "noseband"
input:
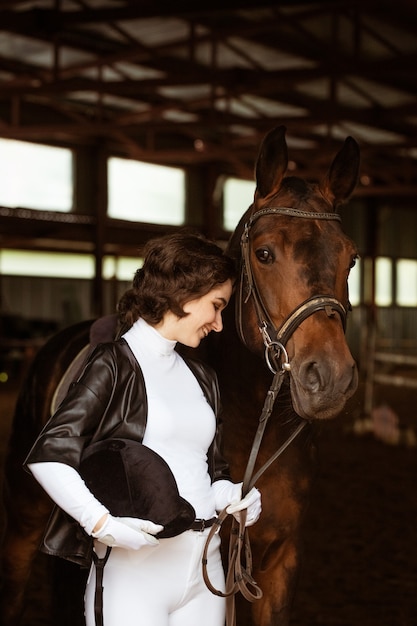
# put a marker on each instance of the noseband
(275, 339)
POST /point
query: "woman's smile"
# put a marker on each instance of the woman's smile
(204, 314)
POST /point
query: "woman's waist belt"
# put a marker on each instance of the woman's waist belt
(201, 524)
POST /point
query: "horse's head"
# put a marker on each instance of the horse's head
(292, 296)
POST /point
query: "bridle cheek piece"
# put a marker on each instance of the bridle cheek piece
(275, 339)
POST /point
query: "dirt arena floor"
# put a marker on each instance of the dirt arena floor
(360, 561)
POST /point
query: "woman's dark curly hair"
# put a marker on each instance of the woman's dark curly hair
(177, 268)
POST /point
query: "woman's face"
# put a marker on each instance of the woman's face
(204, 315)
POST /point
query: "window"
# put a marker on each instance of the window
(35, 176)
(406, 294)
(48, 264)
(405, 281)
(65, 265)
(354, 284)
(383, 281)
(237, 198)
(141, 192)
(121, 268)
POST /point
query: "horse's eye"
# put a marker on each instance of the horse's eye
(264, 255)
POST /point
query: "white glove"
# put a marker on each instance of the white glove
(252, 503)
(226, 492)
(127, 532)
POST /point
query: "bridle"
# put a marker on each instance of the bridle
(239, 577)
(275, 339)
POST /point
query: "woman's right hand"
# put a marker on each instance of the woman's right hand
(127, 532)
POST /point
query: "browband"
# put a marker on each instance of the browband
(282, 210)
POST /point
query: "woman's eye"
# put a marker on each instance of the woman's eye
(264, 255)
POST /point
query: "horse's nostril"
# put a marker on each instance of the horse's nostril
(311, 376)
(315, 377)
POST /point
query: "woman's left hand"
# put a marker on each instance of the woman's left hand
(252, 503)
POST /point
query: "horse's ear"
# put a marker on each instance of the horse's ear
(272, 162)
(342, 177)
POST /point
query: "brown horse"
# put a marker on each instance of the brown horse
(288, 316)
(285, 326)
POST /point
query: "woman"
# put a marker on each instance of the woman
(140, 388)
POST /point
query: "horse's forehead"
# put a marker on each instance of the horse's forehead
(297, 193)
(314, 243)
(294, 229)
(298, 186)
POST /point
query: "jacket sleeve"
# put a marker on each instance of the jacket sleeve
(80, 414)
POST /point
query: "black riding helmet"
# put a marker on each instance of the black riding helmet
(132, 480)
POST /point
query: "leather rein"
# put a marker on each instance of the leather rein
(239, 577)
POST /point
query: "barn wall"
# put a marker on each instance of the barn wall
(397, 222)
(62, 300)
(383, 227)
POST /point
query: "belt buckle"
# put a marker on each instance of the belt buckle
(201, 524)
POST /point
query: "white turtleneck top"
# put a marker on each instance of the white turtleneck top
(180, 427)
(181, 424)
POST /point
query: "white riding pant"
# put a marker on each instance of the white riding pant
(160, 586)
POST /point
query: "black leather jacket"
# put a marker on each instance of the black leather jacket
(108, 400)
